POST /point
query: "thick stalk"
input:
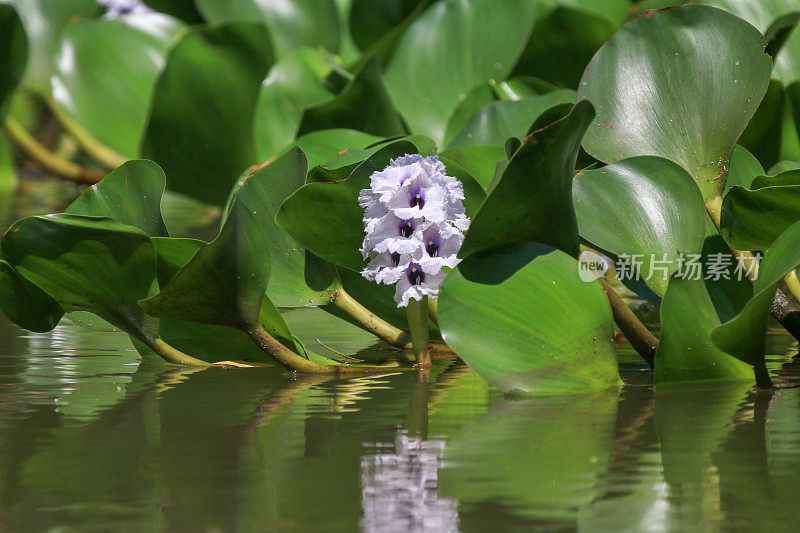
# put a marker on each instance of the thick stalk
(433, 311)
(644, 342)
(417, 313)
(750, 264)
(284, 356)
(370, 321)
(171, 354)
(295, 363)
(50, 161)
(109, 158)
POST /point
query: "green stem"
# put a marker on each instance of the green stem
(295, 363)
(102, 153)
(370, 321)
(171, 354)
(284, 356)
(417, 313)
(433, 311)
(52, 162)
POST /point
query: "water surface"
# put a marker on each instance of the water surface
(92, 440)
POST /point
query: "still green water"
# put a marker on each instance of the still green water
(92, 440)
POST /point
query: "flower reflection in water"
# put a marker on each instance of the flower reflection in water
(399, 489)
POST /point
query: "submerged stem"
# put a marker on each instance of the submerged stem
(642, 340)
(52, 162)
(417, 313)
(370, 321)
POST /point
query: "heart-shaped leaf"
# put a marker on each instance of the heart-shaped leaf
(662, 71)
(130, 194)
(200, 128)
(523, 319)
(745, 335)
(685, 351)
(647, 208)
(87, 263)
(108, 68)
(24, 303)
(497, 121)
(533, 198)
(459, 38)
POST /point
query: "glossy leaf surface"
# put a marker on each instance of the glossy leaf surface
(533, 198)
(647, 208)
(558, 342)
(659, 92)
(200, 128)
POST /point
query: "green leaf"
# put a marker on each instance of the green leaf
(371, 21)
(480, 161)
(460, 39)
(759, 136)
(200, 128)
(295, 82)
(763, 15)
(295, 23)
(565, 39)
(645, 207)
(326, 219)
(559, 341)
(731, 291)
(321, 146)
(209, 342)
(105, 73)
(13, 54)
(224, 282)
(130, 194)
(293, 272)
(497, 121)
(744, 336)
(24, 303)
(533, 198)
(181, 9)
(753, 219)
(685, 351)
(363, 105)
(44, 21)
(660, 72)
(89, 264)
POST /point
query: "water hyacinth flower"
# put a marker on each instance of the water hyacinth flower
(414, 222)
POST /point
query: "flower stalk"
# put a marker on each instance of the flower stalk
(417, 313)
